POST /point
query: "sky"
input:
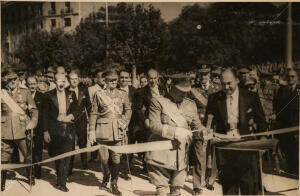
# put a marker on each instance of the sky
(169, 10)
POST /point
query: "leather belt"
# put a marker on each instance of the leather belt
(111, 116)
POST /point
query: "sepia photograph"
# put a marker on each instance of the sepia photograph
(149, 98)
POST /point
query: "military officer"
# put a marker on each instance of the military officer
(109, 119)
(207, 85)
(172, 119)
(19, 114)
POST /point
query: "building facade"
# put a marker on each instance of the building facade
(20, 18)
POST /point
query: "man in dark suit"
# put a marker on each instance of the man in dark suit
(84, 106)
(124, 77)
(235, 110)
(38, 140)
(286, 108)
(60, 112)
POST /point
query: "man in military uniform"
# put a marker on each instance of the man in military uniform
(19, 114)
(202, 150)
(109, 119)
(172, 119)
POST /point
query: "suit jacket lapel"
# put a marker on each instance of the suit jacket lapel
(223, 109)
(242, 107)
(68, 94)
(54, 98)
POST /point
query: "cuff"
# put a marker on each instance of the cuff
(168, 132)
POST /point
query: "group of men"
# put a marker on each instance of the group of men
(112, 112)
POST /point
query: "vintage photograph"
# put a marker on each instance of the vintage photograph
(149, 98)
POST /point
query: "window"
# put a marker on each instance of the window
(53, 23)
(68, 5)
(53, 6)
(67, 22)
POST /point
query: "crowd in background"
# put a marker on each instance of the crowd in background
(276, 93)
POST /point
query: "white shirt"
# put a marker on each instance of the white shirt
(61, 98)
(232, 103)
(75, 90)
(33, 94)
(154, 91)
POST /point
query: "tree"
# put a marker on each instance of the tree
(228, 34)
(135, 36)
(41, 49)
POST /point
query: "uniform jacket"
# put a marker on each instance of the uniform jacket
(84, 107)
(289, 114)
(13, 126)
(142, 102)
(51, 112)
(110, 125)
(249, 108)
(163, 128)
(92, 90)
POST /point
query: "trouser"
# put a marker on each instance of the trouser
(162, 177)
(62, 144)
(82, 141)
(37, 153)
(212, 172)
(94, 154)
(7, 148)
(239, 171)
(105, 155)
(199, 163)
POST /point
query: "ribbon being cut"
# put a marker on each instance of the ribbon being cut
(224, 142)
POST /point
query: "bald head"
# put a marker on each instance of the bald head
(152, 77)
(60, 80)
(292, 77)
(229, 81)
(60, 69)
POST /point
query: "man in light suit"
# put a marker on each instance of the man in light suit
(236, 112)
(60, 112)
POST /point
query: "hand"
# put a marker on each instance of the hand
(273, 117)
(207, 134)
(29, 135)
(92, 137)
(182, 134)
(30, 125)
(69, 118)
(47, 137)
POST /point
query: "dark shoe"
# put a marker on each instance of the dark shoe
(61, 188)
(197, 191)
(210, 187)
(115, 190)
(125, 177)
(31, 181)
(175, 191)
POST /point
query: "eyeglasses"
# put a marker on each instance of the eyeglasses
(112, 80)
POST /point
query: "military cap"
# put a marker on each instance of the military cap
(50, 69)
(217, 70)
(110, 75)
(8, 75)
(243, 70)
(250, 81)
(181, 82)
(204, 69)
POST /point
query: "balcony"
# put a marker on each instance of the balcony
(66, 11)
(52, 12)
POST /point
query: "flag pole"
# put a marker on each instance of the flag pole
(289, 38)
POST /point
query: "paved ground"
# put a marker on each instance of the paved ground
(86, 183)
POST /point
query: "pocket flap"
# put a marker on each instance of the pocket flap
(103, 120)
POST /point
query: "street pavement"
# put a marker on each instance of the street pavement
(87, 182)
